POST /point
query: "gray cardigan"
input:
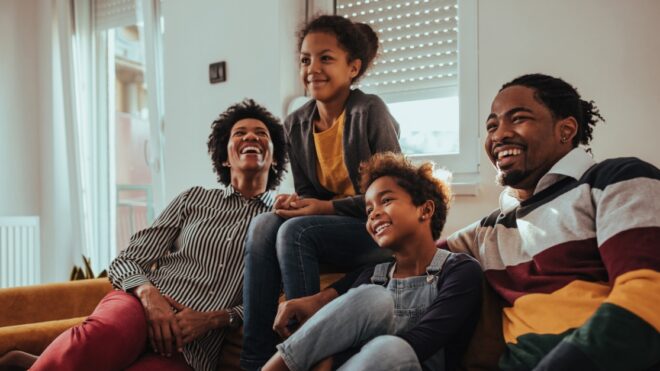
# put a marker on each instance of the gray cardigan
(369, 128)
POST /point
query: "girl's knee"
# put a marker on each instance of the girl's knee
(392, 350)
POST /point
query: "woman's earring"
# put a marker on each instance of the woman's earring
(563, 140)
(226, 164)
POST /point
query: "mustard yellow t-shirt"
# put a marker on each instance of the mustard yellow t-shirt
(330, 167)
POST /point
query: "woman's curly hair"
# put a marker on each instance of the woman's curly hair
(418, 181)
(219, 138)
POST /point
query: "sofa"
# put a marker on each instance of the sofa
(32, 316)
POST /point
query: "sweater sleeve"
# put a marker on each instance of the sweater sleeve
(628, 235)
(382, 128)
(454, 312)
(301, 183)
(383, 136)
(351, 206)
(129, 269)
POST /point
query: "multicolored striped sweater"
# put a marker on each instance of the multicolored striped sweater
(577, 266)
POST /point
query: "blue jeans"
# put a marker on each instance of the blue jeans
(364, 319)
(289, 251)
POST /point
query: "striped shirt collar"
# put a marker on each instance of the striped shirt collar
(267, 198)
(574, 164)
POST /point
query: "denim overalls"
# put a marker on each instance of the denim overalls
(412, 298)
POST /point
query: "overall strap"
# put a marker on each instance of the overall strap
(438, 261)
(380, 273)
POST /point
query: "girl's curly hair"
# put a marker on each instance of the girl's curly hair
(418, 181)
(219, 138)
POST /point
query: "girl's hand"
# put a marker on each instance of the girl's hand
(192, 323)
(306, 206)
(283, 201)
(164, 331)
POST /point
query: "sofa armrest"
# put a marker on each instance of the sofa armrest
(33, 337)
(50, 302)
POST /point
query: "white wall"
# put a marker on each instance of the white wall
(19, 107)
(608, 49)
(256, 39)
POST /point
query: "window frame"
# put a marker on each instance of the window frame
(465, 164)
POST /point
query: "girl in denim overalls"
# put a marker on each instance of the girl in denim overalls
(416, 313)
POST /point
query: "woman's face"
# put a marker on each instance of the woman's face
(325, 70)
(250, 148)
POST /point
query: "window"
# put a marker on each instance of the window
(127, 41)
(426, 72)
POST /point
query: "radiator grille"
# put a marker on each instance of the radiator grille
(19, 251)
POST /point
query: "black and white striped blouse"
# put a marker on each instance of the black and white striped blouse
(197, 245)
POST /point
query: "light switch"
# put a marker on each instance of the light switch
(217, 72)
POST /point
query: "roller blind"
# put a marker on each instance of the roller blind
(418, 43)
(114, 13)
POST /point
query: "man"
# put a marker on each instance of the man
(573, 249)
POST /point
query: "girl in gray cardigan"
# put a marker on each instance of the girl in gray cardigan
(324, 221)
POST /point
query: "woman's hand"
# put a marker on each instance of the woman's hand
(194, 324)
(306, 206)
(164, 331)
(283, 201)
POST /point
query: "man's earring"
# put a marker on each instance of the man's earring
(564, 140)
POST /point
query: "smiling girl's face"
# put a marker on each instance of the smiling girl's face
(392, 217)
(325, 70)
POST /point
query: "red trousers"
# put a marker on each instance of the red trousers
(114, 337)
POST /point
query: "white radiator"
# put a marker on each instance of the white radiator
(19, 251)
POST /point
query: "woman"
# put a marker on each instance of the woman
(179, 281)
(324, 220)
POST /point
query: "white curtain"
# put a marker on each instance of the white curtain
(87, 97)
(86, 137)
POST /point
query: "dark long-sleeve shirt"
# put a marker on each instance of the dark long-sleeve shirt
(450, 320)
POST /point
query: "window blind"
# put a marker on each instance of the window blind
(114, 13)
(418, 43)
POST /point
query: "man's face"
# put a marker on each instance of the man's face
(523, 139)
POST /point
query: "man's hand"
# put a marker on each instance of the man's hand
(283, 201)
(306, 206)
(164, 331)
(300, 310)
(192, 323)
